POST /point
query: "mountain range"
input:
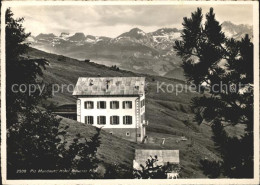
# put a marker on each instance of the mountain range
(135, 50)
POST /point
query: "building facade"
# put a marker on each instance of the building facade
(116, 104)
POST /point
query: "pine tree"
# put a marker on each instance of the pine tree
(203, 50)
(31, 134)
(20, 70)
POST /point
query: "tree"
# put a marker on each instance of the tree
(20, 70)
(151, 170)
(222, 69)
(35, 140)
(86, 161)
(31, 134)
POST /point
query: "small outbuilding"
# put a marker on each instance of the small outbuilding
(67, 111)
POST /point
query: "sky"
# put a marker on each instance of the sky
(113, 20)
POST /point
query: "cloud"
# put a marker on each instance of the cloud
(110, 20)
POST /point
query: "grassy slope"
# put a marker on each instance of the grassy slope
(166, 113)
(112, 148)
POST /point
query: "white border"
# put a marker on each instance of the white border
(255, 4)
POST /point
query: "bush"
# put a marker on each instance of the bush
(62, 58)
(211, 168)
(150, 171)
(114, 67)
(115, 171)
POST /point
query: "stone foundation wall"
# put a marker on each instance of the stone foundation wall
(125, 133)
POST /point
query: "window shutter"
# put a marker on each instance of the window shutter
(130, 104)
(85, 104)
(117, 104)
(86, 118)
(111, 119)
(123, 104)
(98, 120)
(105, 105)
(103, 120)
(91, 119)
(111, 105)
(98, 104)
(123, 119)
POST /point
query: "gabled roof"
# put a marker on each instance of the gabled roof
(109, 86)
(164, 157)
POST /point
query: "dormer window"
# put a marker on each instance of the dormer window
(91, 83)
(107, 84)
(117, 83)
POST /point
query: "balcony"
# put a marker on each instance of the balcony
(145, 123)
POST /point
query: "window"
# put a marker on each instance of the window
(127, 133)
(101, 120)
(142, 118)
(89, 120)
(127, 120)
(127, 104)
(114, 105)
(89, 105)
(142, 103)
(114, 120)
(101, 105)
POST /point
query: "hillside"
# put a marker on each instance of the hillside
(176, 73)
(111, 145)
(168, 114)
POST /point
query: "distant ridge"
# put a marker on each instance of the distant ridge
(134, 50)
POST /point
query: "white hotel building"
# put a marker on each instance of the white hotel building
(117, 104)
